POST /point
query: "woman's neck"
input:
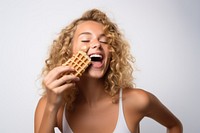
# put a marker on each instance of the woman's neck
(91, 90)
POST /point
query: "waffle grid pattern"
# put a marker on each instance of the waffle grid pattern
(79, 62)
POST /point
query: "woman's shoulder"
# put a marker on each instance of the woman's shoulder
(137, 98)
(41, 107)
(41, 103)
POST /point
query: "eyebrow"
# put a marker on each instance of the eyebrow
(88, 33)
(85, 33)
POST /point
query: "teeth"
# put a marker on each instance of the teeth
(96, 55)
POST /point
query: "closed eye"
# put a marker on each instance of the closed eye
(85, 40)
(105, 42)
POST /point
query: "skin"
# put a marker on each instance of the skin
(93, 106)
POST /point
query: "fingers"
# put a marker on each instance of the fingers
(56, 73)
(57, 82)
(57, 78)
(65, 79)
(61, 89)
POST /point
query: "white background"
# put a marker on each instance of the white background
(164, 37)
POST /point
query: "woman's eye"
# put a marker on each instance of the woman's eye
(105, 42)
(85, 40)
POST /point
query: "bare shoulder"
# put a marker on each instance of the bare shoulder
(137, 98)
(41, 104)
(147, 104)
(39, 112)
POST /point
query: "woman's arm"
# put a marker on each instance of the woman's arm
(157, 111)
(45, 117)
(48, 106)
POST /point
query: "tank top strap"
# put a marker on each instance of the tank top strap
(121, 126)
(65, 125)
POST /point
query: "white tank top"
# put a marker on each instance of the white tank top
(121, 126)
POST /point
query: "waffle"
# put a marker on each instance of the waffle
(79, 62)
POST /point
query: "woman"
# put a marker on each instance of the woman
(103, 99)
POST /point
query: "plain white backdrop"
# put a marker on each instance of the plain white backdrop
(164, 37)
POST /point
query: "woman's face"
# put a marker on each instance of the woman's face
(90, 34)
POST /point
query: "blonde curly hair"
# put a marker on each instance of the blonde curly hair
(119, 73)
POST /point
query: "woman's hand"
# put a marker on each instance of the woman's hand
(57, 82)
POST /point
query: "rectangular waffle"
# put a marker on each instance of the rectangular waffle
(79, 62)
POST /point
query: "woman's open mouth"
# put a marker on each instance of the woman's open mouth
(97, 60)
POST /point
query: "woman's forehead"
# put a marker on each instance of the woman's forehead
(88, 27)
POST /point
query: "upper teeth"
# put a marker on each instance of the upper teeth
(96, 55)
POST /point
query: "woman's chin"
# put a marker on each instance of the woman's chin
(93, 75)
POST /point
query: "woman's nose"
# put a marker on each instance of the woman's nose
(95, 44)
